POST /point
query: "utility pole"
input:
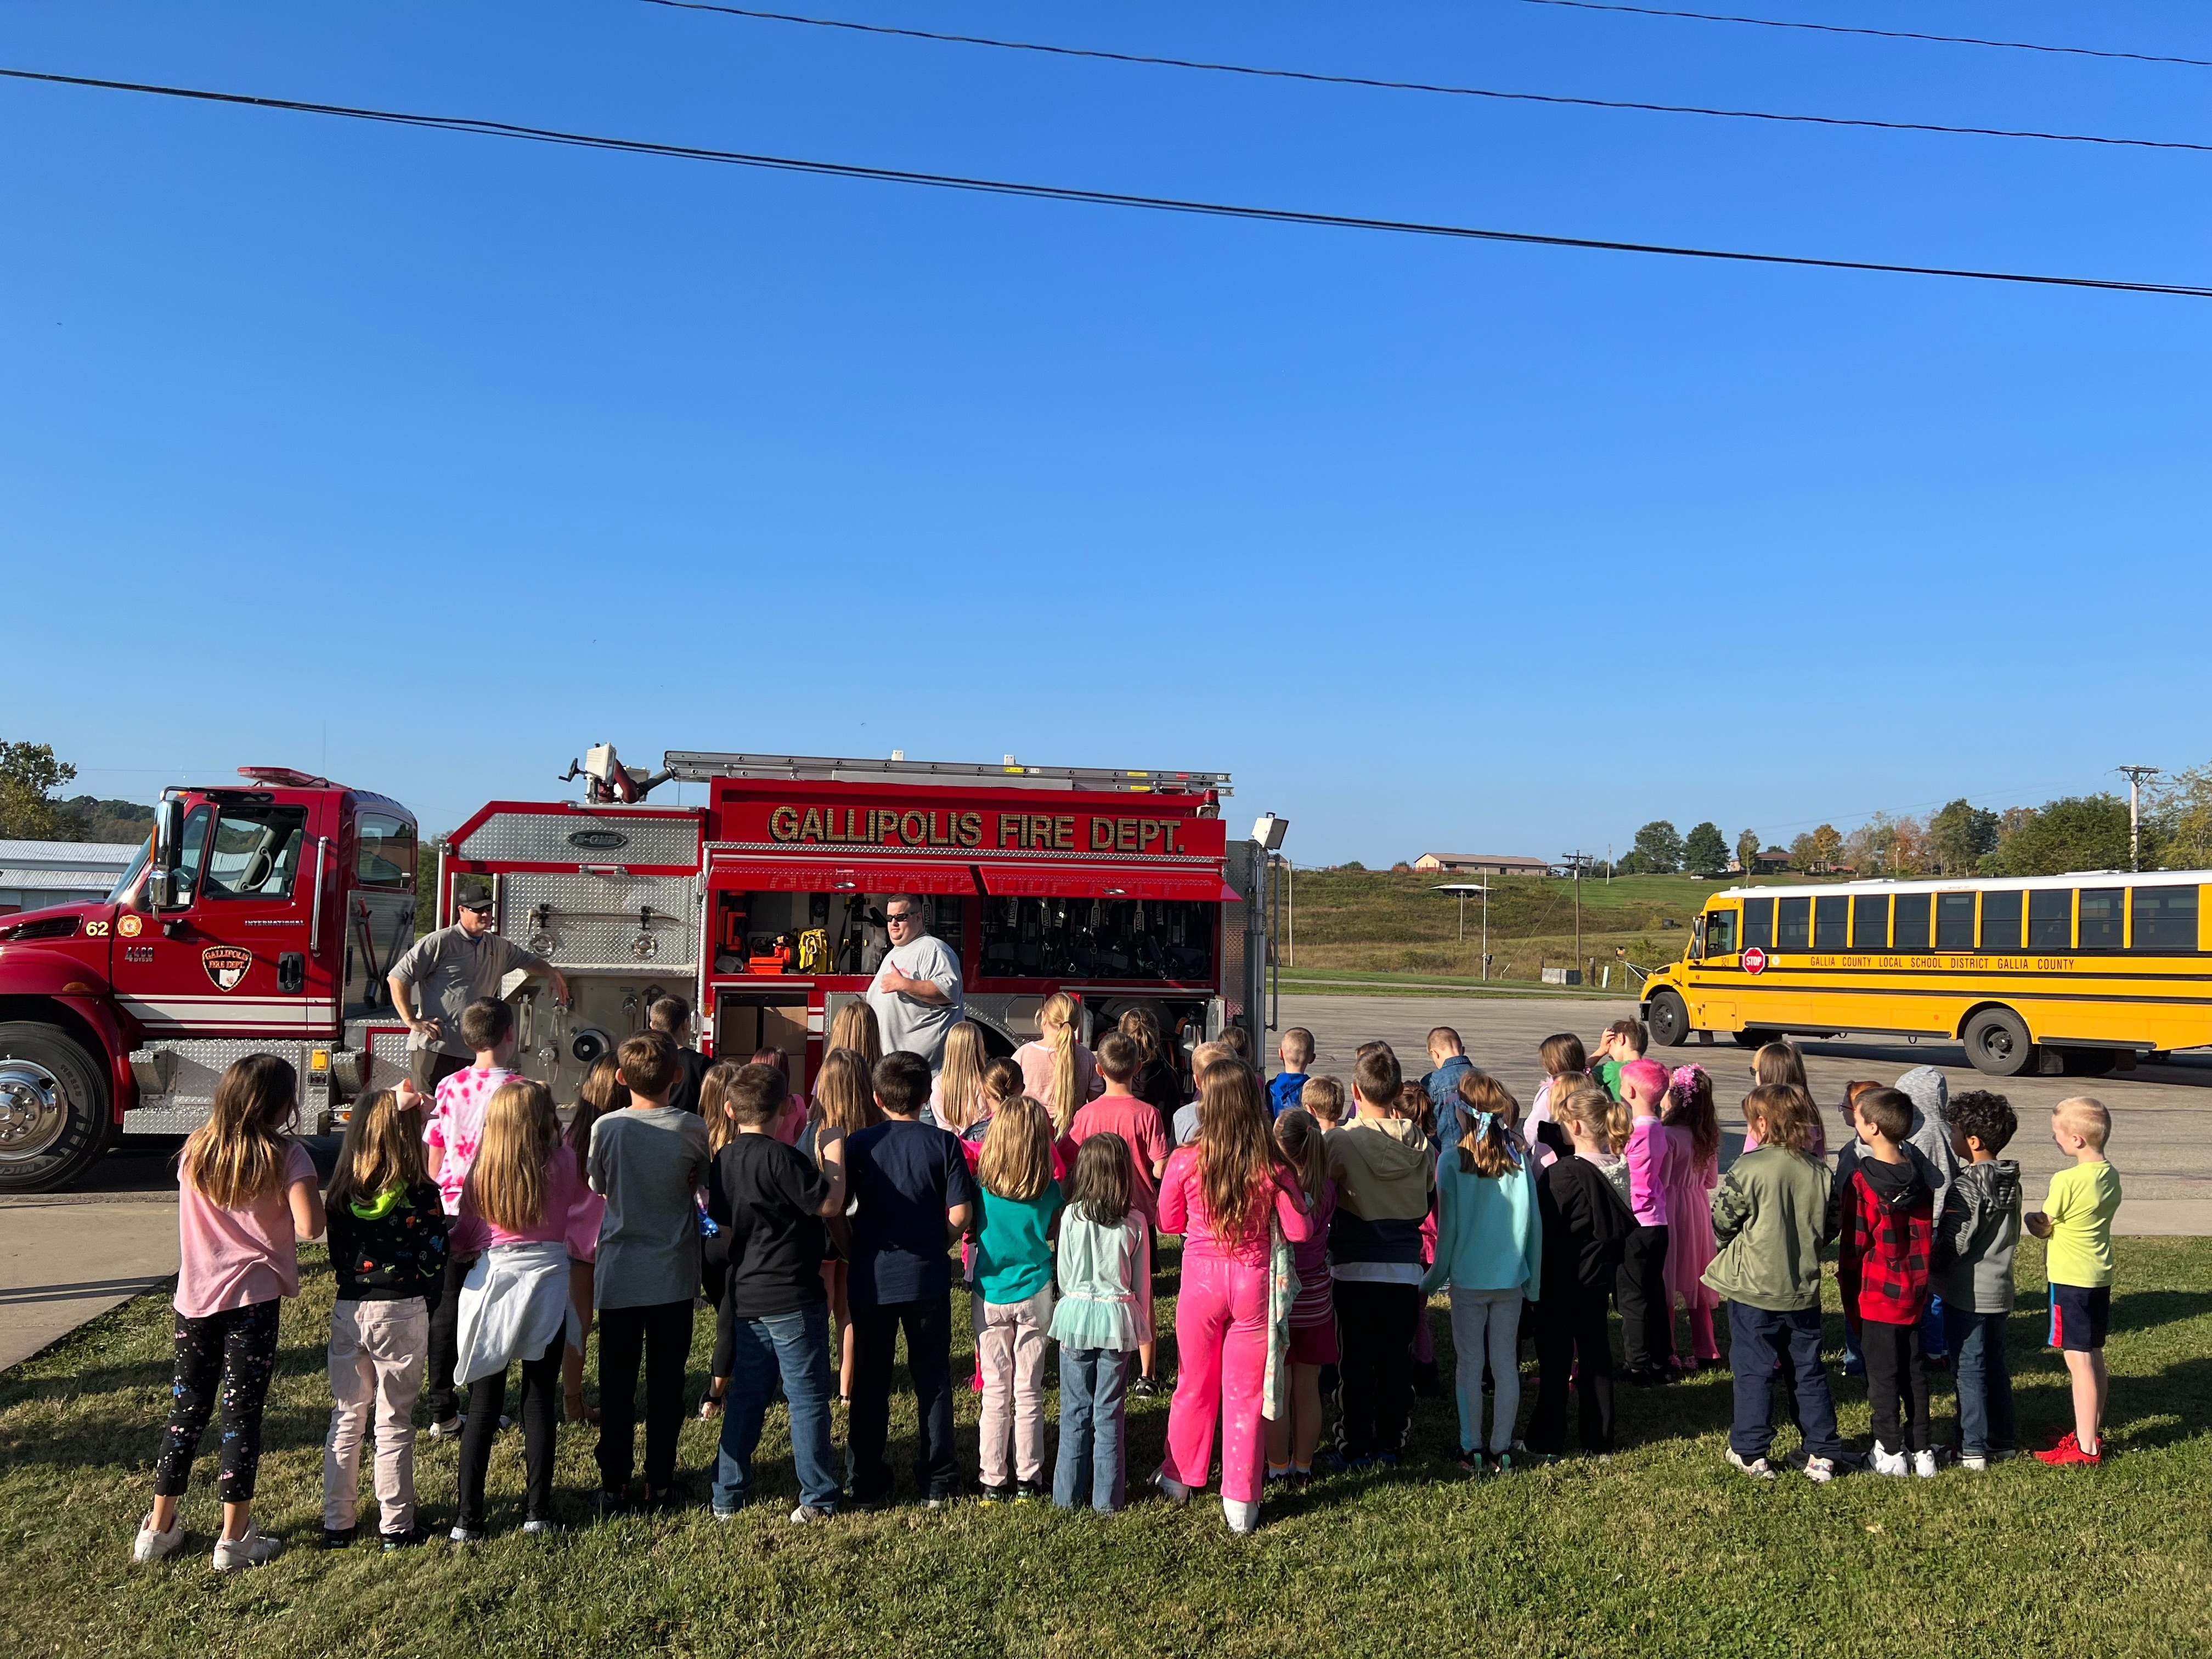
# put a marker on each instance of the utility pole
(1579, 858)
(1485, 932)
(2136, 775)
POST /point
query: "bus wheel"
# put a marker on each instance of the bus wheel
(53, 1108)
(1670, 1021)
(1997, 1042)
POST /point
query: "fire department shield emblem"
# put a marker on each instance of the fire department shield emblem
(226, 965)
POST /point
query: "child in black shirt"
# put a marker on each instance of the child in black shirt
(387, 1243)
(771, 1202)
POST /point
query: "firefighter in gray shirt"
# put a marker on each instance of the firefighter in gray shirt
(454, 966)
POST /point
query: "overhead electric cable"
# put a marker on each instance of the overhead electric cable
(1640, 105)
(1072, 193)
(1886, 34)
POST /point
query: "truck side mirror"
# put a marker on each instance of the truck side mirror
(168, 850)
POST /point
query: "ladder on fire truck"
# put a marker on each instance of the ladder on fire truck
(697, 766)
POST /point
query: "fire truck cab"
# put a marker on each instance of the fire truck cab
(762, 905)
(256, 918)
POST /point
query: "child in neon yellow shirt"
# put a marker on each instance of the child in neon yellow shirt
(2076, 1218)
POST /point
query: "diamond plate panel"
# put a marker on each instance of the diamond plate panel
(545, 838)
(200, 1063)
(592, 921)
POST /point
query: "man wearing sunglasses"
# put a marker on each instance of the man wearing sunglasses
(916, 993)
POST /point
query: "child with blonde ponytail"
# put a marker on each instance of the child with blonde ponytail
(1057, 1069)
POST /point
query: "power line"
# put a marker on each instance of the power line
(1315, 76)
(1886, 34)
(485, 128)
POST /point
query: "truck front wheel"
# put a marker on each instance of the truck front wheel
(1669, 1023)
(53, 1108)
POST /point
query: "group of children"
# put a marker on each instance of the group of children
(472, 1233)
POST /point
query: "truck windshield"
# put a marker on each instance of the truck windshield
(131, 872)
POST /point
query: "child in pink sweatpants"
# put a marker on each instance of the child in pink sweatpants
(1221, 1337)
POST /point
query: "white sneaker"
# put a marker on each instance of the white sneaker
(1886, 1462)
(1975, 1462)
(1923, 1465)
(1820, 1470)
(1244, 1517)
(1758, 1467)
(149, 1546)
(1171, 1489)
(253, 1549)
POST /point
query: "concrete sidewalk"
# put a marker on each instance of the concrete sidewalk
(66, 1258)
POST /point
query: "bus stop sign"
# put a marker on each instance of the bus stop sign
(1754, 961)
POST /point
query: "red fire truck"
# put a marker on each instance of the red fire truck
(265, 917)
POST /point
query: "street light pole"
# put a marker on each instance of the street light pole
(2136, 775)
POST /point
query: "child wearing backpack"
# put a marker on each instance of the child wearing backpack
(1103, 1318)
(246, 1194)
(1584, 1222)
(388, 1249)
(1011, 1308)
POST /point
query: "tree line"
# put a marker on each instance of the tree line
(2073, 832)
(29, 775)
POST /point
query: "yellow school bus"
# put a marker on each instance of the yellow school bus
(2049, 974)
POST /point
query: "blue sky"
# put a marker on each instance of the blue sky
(431, 459)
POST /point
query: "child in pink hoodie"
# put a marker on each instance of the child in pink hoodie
(1647, 1318)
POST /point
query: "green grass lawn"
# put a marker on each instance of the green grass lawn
(1662, 1551)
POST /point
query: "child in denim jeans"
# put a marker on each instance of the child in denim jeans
(1975, 1242)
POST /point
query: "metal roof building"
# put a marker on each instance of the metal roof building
(37, 873)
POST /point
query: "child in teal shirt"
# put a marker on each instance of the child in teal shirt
(1011, 1271)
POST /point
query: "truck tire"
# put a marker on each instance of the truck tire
(53, 1108)
(1997, 1042)
(1669, 1021)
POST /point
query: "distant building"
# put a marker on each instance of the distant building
(36, 873)
(1483, 863)
(1773, 861)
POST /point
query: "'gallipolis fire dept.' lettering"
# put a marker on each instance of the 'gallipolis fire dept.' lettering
(880, 826)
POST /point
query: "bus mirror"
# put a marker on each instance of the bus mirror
(168, 842)
(1698, 938)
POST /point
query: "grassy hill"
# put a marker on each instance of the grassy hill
(1376, 921)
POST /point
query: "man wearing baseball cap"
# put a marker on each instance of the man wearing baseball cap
(454, 966)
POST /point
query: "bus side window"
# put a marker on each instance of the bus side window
(1720, 932)
(1912, 923)
(1955, 921)
(2166, 918)
(2000, 921)
(2101, 919)
(1831, 921)
(1793, 924)
(1870, 922)
(1758, 924)
(2050, 918)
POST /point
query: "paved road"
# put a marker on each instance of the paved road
(2161, 1115)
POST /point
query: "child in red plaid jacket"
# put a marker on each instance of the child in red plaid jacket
(1888, 1230)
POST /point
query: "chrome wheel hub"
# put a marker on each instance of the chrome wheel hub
(34, 1109)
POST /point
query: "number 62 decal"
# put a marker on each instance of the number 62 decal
(95, 929)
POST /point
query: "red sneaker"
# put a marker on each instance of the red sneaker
(2068, 1451)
